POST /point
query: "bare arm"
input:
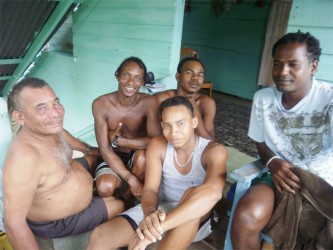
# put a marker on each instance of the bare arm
(150, 196)
(101, 130)
(207, 109)
(282, 176)
(153, 176)
(20, 181)
(79, 145)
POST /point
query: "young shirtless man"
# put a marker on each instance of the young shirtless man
(190, 76)
(185, 176)
(125, 121)
(45, 191)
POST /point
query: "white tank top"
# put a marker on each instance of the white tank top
(173, 183)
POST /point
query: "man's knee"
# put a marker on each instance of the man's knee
(139, 164)
(253, 214)
(114, 206)
(106, 185)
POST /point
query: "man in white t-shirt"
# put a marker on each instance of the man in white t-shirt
(292, 124)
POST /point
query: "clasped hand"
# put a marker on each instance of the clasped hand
(149, 230)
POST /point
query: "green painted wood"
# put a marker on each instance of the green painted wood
(10, 61)
(135, 4)
(315, 16)
(230, 46)
(52, 22)
(158, 16)
(312, 13)
(133, 31)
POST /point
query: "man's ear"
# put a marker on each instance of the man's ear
(195, 122)
(314, 66)
(177, 76)
(18, 117)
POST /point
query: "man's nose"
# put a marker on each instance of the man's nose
(174, 130)
(55, 111)
(284, 70)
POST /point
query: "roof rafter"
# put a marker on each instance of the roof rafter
(38, 42)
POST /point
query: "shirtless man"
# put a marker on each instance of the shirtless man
(125, 121)
(185, 172)
(190, 76)
(45, 191)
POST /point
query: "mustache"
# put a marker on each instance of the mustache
(55, 121)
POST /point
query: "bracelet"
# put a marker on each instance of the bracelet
(128, 176)
(88, 148)
(271, 159)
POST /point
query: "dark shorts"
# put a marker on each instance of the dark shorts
(83, 161)
(266, 178)
(103, 168)
(95, 214)
(127, 158)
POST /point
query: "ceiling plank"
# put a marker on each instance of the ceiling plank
(10, 61)
(40, 39)
(4, 77)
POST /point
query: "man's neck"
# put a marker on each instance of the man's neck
(123, 101)
(289, 100)
(181, 92)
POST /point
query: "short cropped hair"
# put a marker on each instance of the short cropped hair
(312, 43)
(138, 61)
(176, 101)
(13, 97)
(187, 59)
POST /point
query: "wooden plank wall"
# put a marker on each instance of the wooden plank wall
(230, 45)
(315, 16)
(105, 32)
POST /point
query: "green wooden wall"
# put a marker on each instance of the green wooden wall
(230, 45)
(105, 32)
(315, 16)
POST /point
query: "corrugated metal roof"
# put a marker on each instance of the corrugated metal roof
(20, 23)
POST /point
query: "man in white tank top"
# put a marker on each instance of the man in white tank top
(184, 179)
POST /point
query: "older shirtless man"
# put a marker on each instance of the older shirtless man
(125, 122)
(45, 191)
(190, 76)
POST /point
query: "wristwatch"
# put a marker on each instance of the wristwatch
(114, 142)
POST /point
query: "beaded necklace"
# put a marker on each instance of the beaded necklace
(189, 158)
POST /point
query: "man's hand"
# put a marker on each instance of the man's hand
(150, 226)
(92, 151)
(137, 244)
(135, 185)
(283, 177)
(116, 132)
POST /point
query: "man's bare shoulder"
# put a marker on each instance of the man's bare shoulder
(21, 152)
(161, 96)
(104, 101)
(206, 100)
(215, 150)
(158, 143)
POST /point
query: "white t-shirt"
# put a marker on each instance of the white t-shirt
(303, 135)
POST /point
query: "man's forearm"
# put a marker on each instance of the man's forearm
(149, 201)
(200, 201)
(21, 238)
(134, 143)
